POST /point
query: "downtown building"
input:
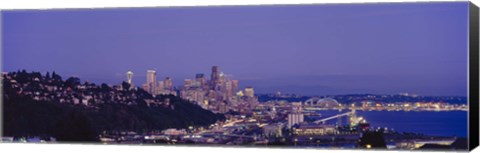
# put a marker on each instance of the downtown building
(220, 94)
(155, 87)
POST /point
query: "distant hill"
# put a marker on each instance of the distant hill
(351, 98)
(46, 105)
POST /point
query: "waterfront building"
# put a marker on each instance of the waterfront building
(174, 132)
(294, 118)
(315, 130)
(296, 107)
(273, 130)
(249, 92)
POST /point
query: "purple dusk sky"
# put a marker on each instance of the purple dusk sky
(383, 48)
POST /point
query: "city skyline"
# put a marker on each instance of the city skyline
(295, 49)
(386, 76)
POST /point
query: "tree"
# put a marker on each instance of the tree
(125, 86)
(105, 87)
(56, 76)
(47, 76)
(75, 128)
(72, 82)
(372, 140)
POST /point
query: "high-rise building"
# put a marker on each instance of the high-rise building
(188, 83)
(212, 95)
(222, 107)
(168, 83)
(234, 86)
(160, 87)
(215, 78)
(151, 76)
(199, 75)
(249, 92)
(228, 89)
(200, 80)
(151, 81)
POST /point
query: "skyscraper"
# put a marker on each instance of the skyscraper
(199, 75)
(160, 87)
(151, 81)
(200, 79)
(234, 86)
(214, 78)
(168, 83)
(228, 89)
(151, 76)
(188, 83)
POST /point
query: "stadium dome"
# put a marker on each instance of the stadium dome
(328, 103)
(322, 102)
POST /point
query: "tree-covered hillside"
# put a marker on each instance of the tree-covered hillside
(45, 105)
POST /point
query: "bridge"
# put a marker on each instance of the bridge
(353, 118)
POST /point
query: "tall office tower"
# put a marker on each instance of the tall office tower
(151, 76)
(228, 89)
(249, 92)
(168, 83)
(200, 79)
(223, 78)
(214, 77)
(188, 83)
(160, 87)
(234, 86)
(151, 81)
(199, 75)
